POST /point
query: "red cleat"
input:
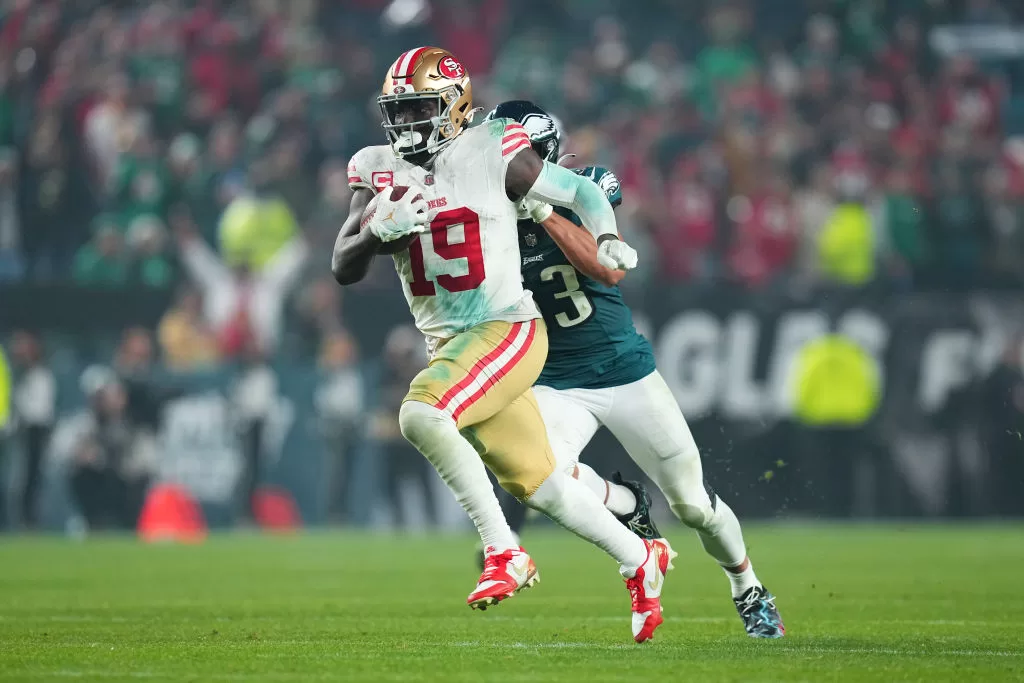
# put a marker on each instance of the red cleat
(505, 574)
(645, 590)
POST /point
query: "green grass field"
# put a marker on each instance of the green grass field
(895, 603)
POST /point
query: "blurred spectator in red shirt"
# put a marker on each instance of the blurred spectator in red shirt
(765, 232)
(905, 52)
(687, 237)
(470, 28)
(221, 76)
(968, 98)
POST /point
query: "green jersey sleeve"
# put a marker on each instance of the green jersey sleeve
(604, 179)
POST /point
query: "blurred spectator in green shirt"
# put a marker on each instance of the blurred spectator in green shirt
(729, 58)
(959, 222)
(158, 67)
(101, 262)
(142, 184)
(150, 263)
(904, 218)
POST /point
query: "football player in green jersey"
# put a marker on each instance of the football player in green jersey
(601, 371)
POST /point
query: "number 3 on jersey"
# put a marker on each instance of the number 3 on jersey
(579, 300)
(469, 249)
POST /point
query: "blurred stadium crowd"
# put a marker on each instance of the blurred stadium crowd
(200, 146)
(743, 132)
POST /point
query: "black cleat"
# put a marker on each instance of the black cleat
(760, 617)
(639, 521)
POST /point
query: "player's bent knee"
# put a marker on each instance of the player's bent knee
(553, 491)
(697, 508)
(694, 516)
(681, 479)
(421, 422)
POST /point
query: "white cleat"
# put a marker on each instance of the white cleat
(672, 554)
(645, 590)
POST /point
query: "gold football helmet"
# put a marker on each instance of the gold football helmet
(418, 80)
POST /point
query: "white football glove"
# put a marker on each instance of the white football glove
(534, 210)
(392, 219)
(616, 255)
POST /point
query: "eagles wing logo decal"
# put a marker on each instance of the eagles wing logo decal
(538, 125)
(530, 239)
(609, 183)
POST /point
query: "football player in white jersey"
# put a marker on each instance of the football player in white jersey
(441, 198)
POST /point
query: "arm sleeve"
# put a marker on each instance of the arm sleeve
(561, 187)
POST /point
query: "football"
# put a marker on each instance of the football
(399, 245)
(398, 191)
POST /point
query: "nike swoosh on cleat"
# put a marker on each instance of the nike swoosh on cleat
(518, 574)
(486, 585)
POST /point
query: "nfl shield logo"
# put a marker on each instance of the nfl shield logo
(530, 239)
(429, 179)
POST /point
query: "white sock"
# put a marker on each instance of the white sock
(742, 581)
(571, 504)
(435, 435)
(722, 538)
(617, 498)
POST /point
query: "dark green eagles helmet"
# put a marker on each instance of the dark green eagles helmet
(544, 131)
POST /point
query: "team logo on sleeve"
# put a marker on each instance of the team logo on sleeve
(609, 183)
(450, 68)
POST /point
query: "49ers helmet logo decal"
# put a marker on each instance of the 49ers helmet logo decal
(450, 68)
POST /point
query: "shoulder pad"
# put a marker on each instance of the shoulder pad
(496, 126)
(513, 138)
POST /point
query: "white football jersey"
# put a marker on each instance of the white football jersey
(465, 270)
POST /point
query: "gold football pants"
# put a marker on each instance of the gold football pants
(482, 379)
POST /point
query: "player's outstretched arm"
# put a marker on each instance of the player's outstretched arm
(530, 176)
(354, 249)
(580, 248)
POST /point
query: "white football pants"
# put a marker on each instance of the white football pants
(645, 418)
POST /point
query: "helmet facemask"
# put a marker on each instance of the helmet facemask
(426, 126)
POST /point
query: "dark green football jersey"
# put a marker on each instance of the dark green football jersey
(592, 343)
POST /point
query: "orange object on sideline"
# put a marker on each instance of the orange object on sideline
(275, 509)
(171, 514)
